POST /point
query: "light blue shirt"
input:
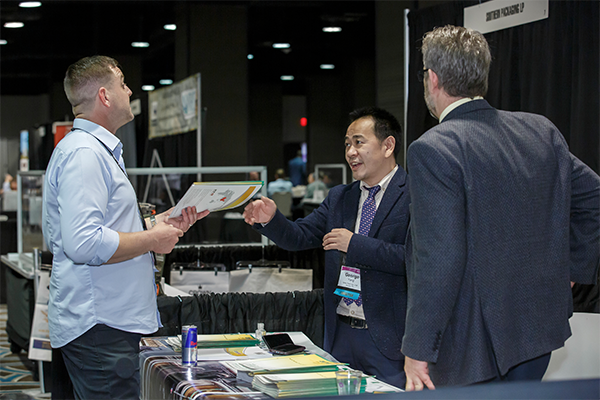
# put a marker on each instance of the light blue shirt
(88, 199)
(279, 185)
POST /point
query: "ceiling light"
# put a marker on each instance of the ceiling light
(287, 77)
(327, 66)
(166, 81)
(2, 41)
(332, 29)
(140, 44)
(148, 88)
(250, 56)
(14, 25)
(30, 4)
(281, 45)
(170, 27)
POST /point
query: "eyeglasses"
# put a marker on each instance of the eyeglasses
(421, 74)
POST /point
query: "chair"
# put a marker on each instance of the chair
(284, 202)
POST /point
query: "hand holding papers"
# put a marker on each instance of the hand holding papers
(216, 196)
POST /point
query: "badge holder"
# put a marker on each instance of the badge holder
(348, 283)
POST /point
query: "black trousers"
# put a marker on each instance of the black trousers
(530, 370)
(103, 363)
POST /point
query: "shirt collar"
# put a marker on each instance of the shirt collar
(456, 104)
(101, 133)
(382, 183)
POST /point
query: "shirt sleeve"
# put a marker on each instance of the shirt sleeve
(84, 186)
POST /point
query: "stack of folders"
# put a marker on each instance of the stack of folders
(246, 370)
(300, 385)
(228, 340)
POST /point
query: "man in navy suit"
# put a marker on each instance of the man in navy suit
(503, 218)
(365, 282)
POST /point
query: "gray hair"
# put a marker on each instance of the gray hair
(461, 59)
(86, 76)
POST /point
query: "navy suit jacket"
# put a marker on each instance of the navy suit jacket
(380, 257)
(503, 217)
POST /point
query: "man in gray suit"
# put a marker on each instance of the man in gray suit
(503, 218)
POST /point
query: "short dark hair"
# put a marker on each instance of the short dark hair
(83, 76)
(461, 59)
(384, 124)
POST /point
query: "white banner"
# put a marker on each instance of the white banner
(174, 109)
(39, 342)
(501, 14)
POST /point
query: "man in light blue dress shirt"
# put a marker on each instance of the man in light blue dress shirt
(102, 289)
(280, 184)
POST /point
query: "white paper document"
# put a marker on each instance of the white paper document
(217, 196)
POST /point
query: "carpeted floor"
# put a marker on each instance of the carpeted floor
(17, 381)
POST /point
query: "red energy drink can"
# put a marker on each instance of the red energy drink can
(189, 341)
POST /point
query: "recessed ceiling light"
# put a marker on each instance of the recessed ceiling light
(250, 56)
(327, 66)
(14, 25)
(287, 77)
(166, 81)
(148, 88)
(170, 27)
(332, 29)
(2, 41)
(30, 4)
(140, 44)
(281, 45)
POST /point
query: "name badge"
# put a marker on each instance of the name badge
(348, 282)
(349, 278)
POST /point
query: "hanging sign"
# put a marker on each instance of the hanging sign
(501, 14)
(174, 109)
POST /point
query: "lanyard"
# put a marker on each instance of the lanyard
(121, 168)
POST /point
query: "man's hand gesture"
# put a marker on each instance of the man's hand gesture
(260, 211)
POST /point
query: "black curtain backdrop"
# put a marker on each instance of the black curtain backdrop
(549, 67)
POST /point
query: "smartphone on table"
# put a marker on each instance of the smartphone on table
(281, 343)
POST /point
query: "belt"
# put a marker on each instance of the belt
(355, 323)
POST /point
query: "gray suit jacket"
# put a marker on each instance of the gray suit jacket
(380, 257)
(503, 217)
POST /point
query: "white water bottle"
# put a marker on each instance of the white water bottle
(260, 332)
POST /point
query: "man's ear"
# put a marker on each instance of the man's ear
(103, 96)
(433, 79)
(390, 145)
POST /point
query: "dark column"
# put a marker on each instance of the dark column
(212, 40)
(389, 37)
(265, 146)
(326, 121)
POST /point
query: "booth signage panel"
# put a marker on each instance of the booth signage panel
(60, 130)
(174, 109)
(39, 342)
(136, 106)
(501, 14)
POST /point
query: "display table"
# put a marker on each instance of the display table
(20, 300)
(163, 377)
